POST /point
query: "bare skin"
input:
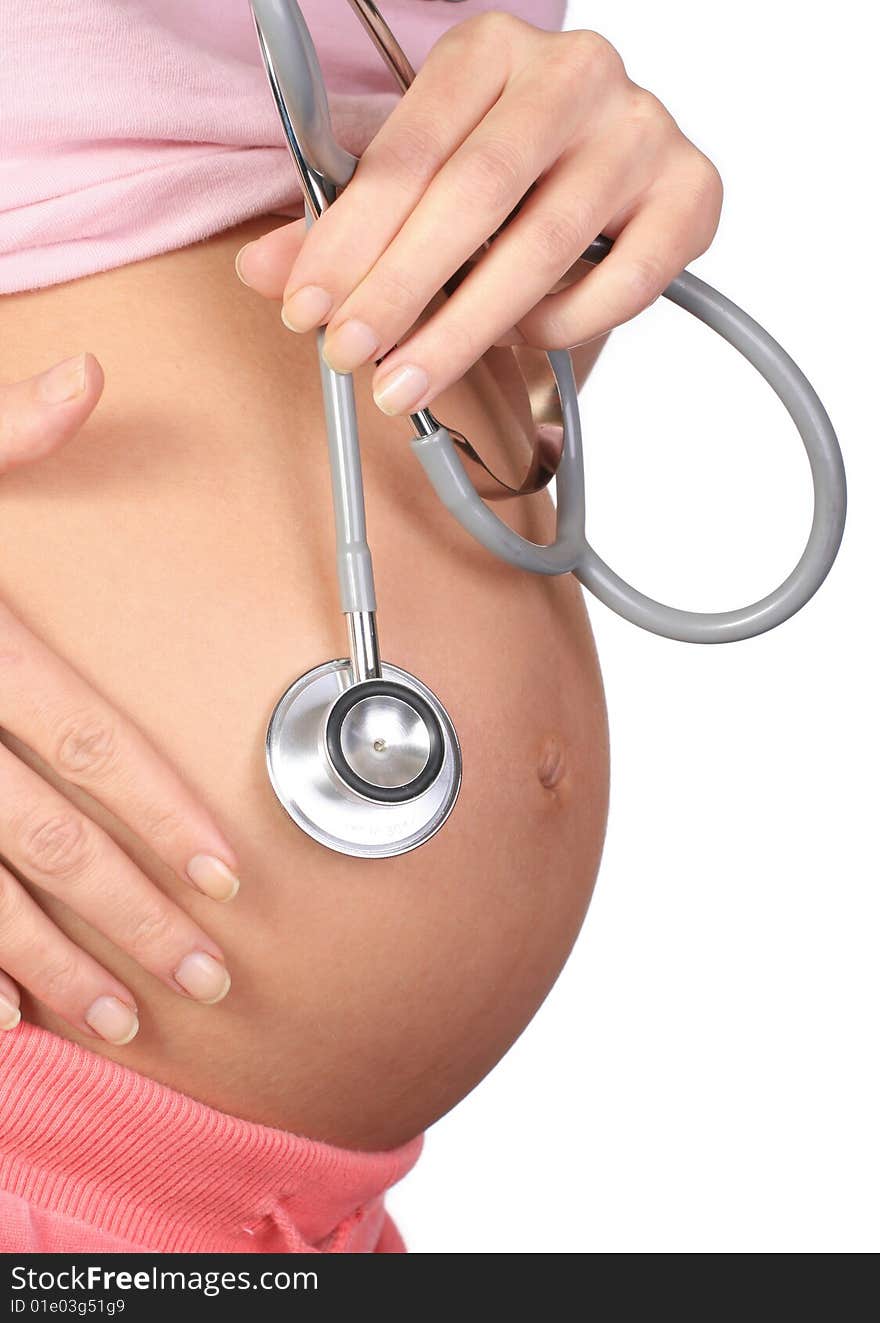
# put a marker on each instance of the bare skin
(179, 554)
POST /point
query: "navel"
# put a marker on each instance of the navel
(551, 762)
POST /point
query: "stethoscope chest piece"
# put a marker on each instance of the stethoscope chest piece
(370, 769)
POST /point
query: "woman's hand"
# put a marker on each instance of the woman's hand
(502, 116)
(48, 707)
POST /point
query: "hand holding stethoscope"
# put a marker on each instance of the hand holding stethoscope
(499, 110)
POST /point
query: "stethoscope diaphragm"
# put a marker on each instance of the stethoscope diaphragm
(371, 769)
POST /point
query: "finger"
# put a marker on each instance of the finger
(648, 254)
(407, 153)
(264, 264)
(58, 973)
(554, 226)
(446, 181)
(55, 846)
(10, 1003)
(48, 706)
(524, 136)
(465, 204)
(42, 413)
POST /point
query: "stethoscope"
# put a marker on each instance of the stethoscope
(362, 755)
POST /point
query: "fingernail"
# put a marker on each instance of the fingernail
(10, 1014)
(351, 345)
(203, 977)
(511, 337)
(306, 309)
(238, 256)
(64, 381)
(402, 390)
(112, 1020)
(212, 877)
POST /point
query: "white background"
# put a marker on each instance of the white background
(704, 1075)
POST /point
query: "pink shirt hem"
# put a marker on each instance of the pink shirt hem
(132, 129)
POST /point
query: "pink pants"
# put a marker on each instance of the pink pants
(94, 1157)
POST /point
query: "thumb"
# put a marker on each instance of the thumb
(41, 414)
(264, 264)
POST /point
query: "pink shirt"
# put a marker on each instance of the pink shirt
(131, 129)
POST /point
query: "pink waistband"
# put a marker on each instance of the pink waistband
(85, 1138)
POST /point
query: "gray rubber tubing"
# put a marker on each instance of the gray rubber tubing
(571, 550)
(354, 564)
(292, 64)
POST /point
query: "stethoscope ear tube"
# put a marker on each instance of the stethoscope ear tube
(570, 550)
(300, 96)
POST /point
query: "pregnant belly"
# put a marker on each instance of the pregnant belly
(180, 554)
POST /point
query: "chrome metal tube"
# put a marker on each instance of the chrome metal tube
(363, 646)
(425, 423)
(385, 42)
